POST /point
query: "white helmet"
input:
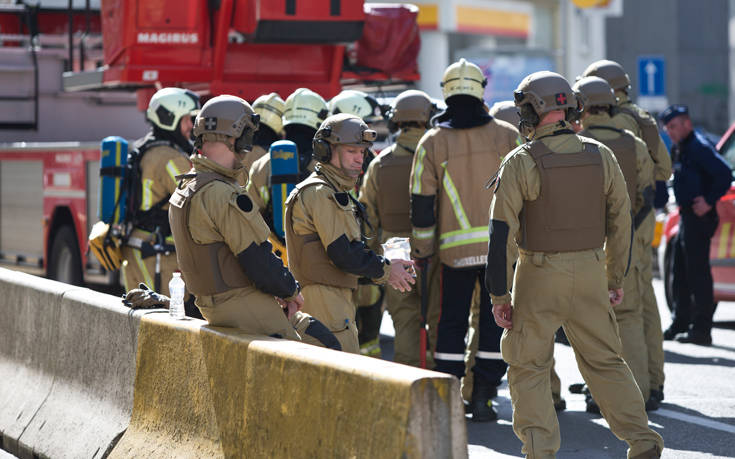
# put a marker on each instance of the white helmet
(463, 77)
(270, 108)
(356, 103)
(306, 107)
(169, 105)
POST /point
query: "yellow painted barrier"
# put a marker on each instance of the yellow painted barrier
(204, 391)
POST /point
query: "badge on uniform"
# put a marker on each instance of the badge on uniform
(342, 198)
(244, 203)
(210, 123)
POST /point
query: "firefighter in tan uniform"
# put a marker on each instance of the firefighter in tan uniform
(384, 194)
(598, 100)
(561, 198)
(304, 111)
(449, 205)
(643, 125)
(165, 154)
(270, 108)
(368, 296)
(323, 238)
(223, 252)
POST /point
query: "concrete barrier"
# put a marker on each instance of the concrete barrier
(67, 366)
(204, 391)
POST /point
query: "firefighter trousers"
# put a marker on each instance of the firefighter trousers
(335, 308)
(457, 287)
(652, 330)
(568, 289)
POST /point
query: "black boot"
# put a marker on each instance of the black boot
(481, 405)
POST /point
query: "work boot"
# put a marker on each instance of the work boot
(654, 400)
(561, 337)
(695, 337)
(481, 405)
(592, 406)
(653, 453)
(673, 330)
(578, 388)
(560, 404)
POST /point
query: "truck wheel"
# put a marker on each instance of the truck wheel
(65, 263)
(668, 274)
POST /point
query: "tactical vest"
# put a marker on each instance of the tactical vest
(624, 149)
(649, 128)
(207, 269)
(307, 257)
(394, 173)
(569, 213)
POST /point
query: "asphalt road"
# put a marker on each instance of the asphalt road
(696, 419)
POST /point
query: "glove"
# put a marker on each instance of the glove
(145, 298)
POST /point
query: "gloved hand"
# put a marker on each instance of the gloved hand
(145, 298)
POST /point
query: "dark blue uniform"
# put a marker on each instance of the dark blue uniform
(698, 171)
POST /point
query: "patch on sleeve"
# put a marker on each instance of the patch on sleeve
(244, 203)
(342, 199)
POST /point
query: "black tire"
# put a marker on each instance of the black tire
(668, 274)
(65, 261)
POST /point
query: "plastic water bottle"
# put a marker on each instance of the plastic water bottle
(177, 290)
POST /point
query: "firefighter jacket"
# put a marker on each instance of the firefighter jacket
(256, 153)
(222, 239)
(448, 193)
(323, 237)
(644, 126)
(635, 163)
(384, 188)
(259, 183)
(519, 183)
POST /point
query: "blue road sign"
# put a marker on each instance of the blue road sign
(651, 76)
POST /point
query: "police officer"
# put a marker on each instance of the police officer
(368, 296)
(598, 100)
(270, 108)
(164, 154)
(304, 111)
(561, 197)
(384, 194)
(323, 238)
(221, 239)
(701, 178)
(633, 118)
(448, 174)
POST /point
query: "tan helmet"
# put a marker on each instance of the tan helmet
(356, 103)
(594, 92)
(463, 77)
(412, 106)
(610, 71)
(306, 107)
(505, 110)
(544, 92)
(225, 117)
(270, 107)
(341, 129)
(169, 105)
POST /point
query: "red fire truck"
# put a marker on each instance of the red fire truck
(71, 75)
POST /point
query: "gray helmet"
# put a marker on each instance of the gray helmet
(505, 110)
(225, 117)
(610, 71)
(341, 129)
(412, 106)
(594, 92)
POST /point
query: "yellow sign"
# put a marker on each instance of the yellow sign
(591, 3)
(428, 17)
(492, 22)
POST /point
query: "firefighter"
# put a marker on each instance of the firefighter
(323, 238)
(303, 113)
(598, 101)
(558, 199)
(368, 296)
(630, 116)
(270, 108)
(449, 209)
(505, 110)
(163, 154)
(223, 252)
(385, 197)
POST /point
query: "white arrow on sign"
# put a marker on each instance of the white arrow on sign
(651, 69)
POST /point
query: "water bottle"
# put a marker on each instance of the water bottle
(177, 290)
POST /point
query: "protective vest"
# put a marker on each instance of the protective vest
(307, 257)
(207, 269)
(649, 129)
(394, 173)
(569, 213)
(624, 149)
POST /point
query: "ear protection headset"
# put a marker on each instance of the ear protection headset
(322, 150)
